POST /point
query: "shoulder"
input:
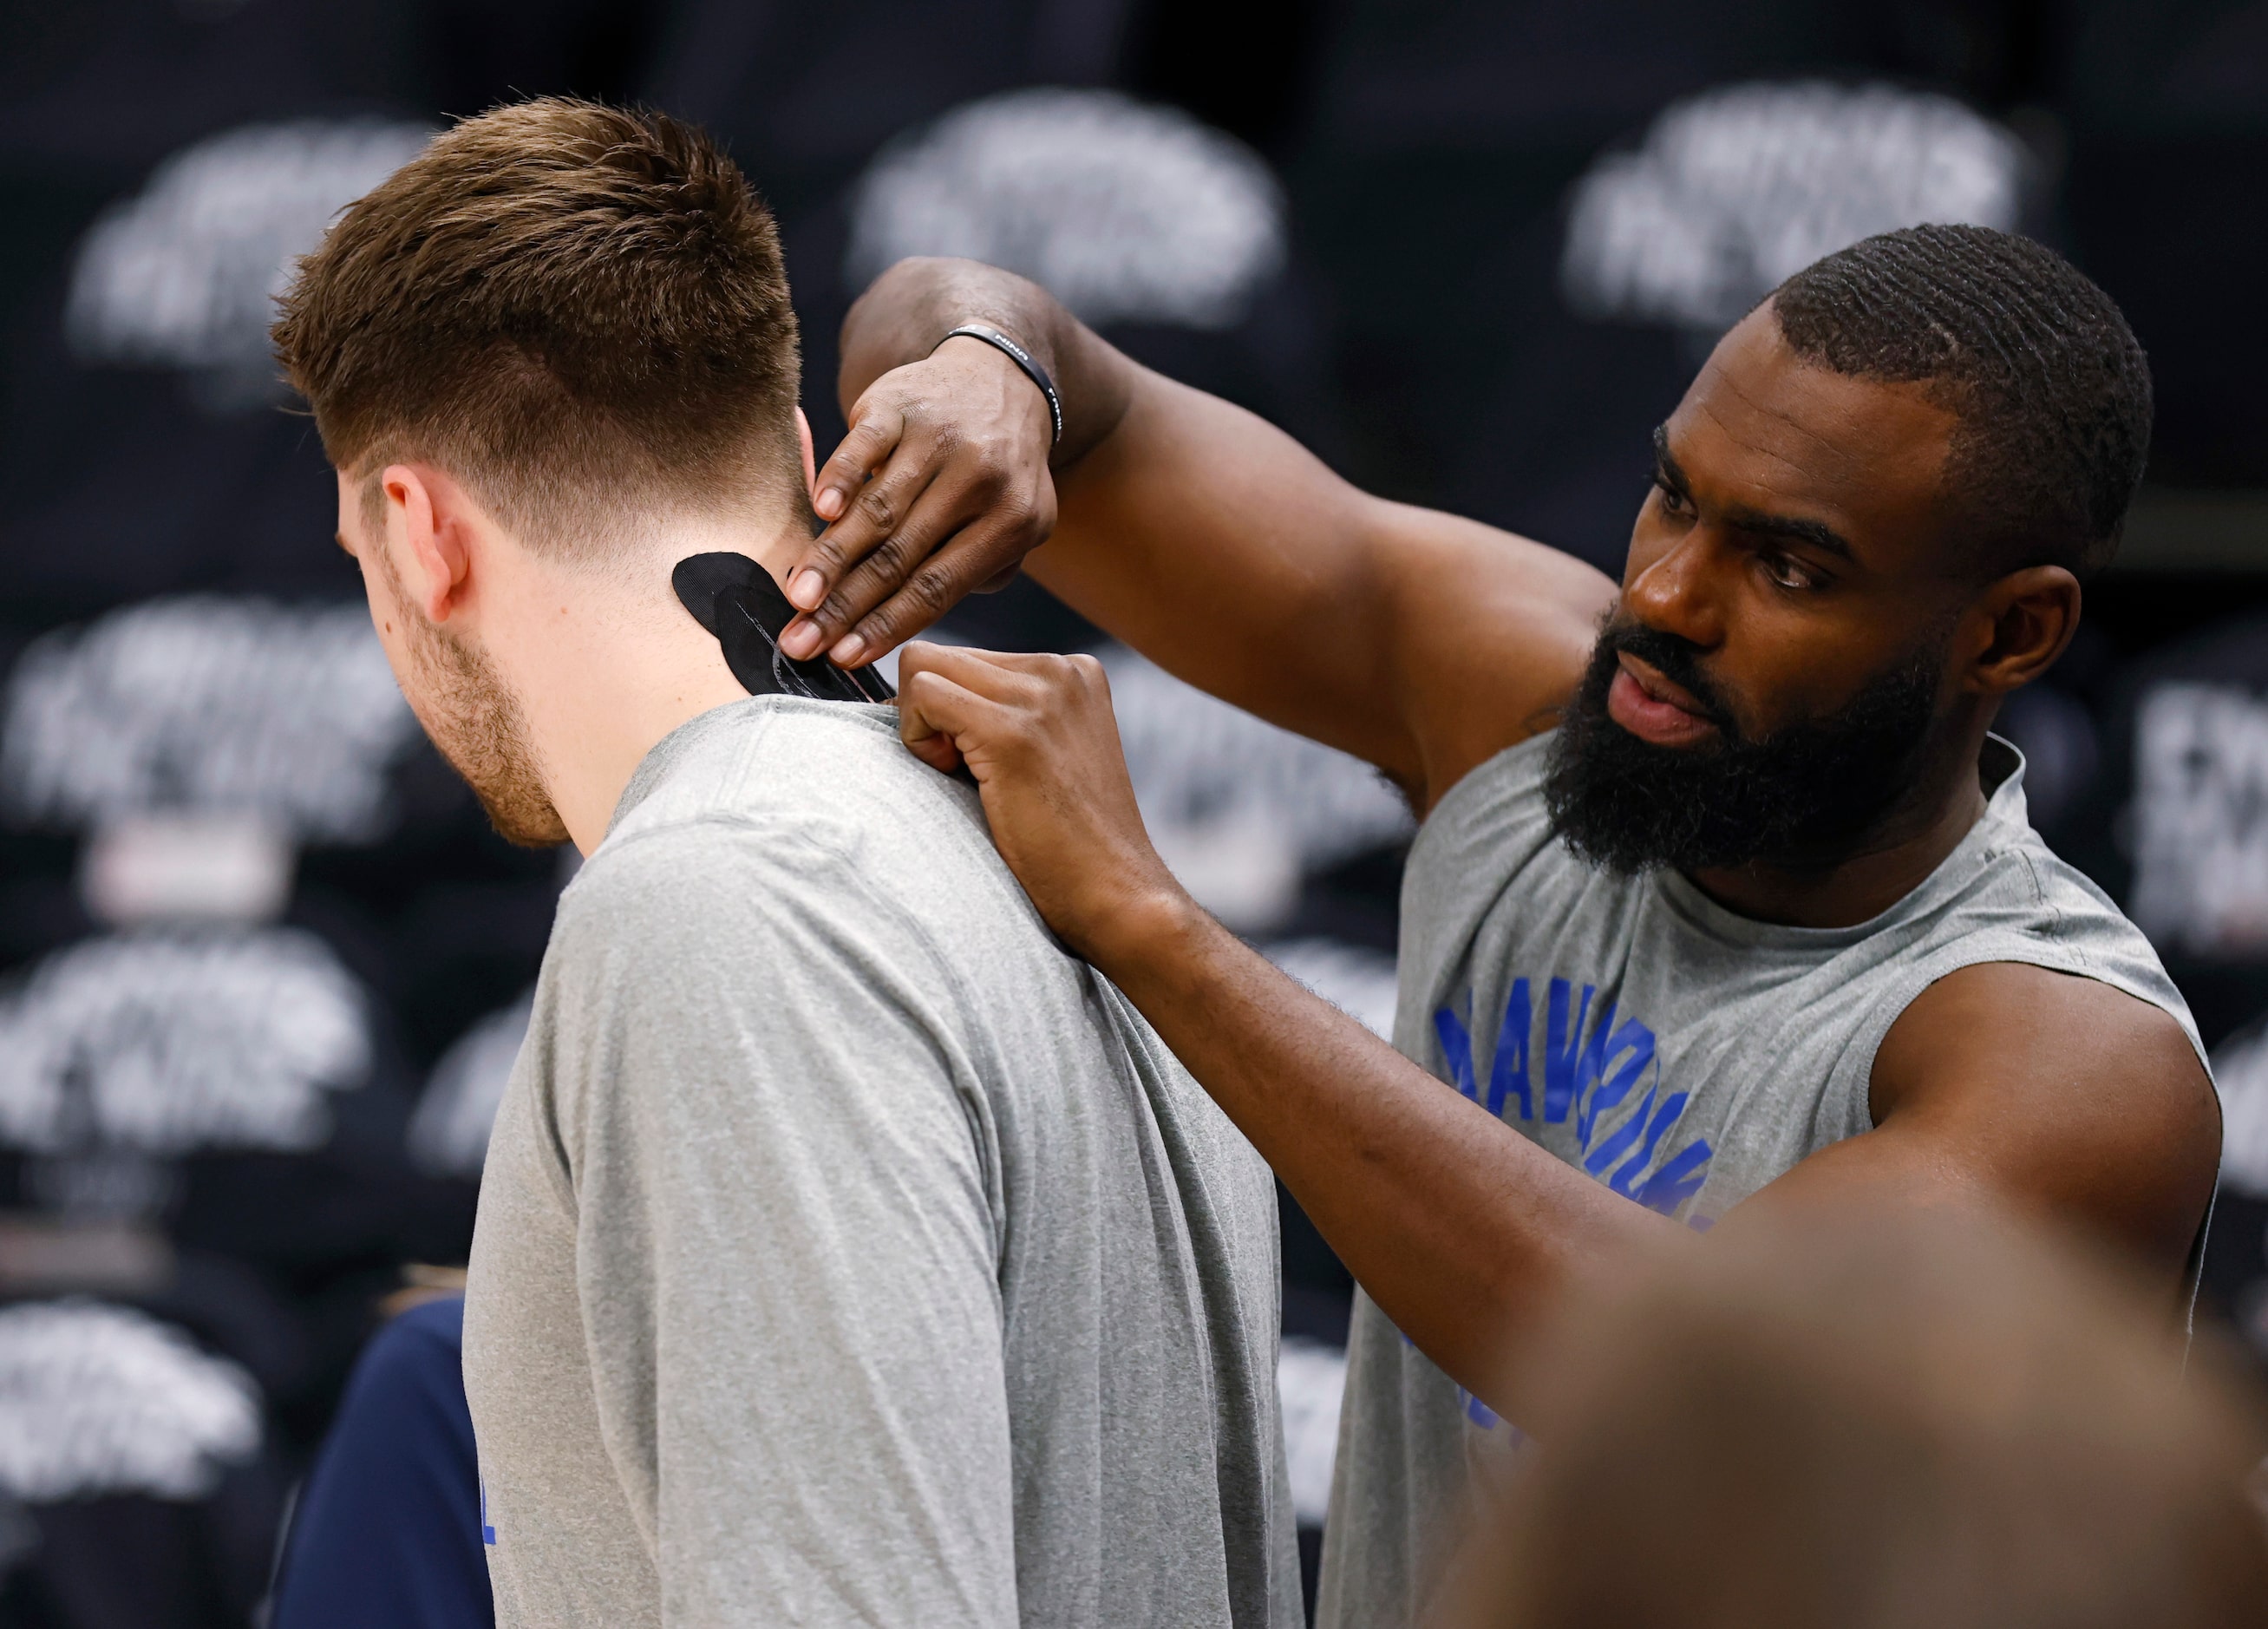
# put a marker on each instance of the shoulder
(435, 1325)
(2096, 1097)
(778, 756)
(2024, 951)
(2079, 1023)
(764, 808)
(716, 921)
(1493, 819)
(685, 878)
(718, 900)
(1492, 631)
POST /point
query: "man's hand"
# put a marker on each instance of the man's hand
(1038, 735)
(1200, 534)
(940, 489)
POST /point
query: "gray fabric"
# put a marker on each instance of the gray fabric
(847, 1253)
(1682, 1054)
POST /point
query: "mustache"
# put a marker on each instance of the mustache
(1676, 660)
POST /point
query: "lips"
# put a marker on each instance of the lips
(1654, 708)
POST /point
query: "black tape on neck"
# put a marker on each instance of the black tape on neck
(736, 600)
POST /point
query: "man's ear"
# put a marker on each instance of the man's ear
(810, 460)
(2019, 626)
(430, 527)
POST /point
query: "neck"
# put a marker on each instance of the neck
(1910, 842)
(606, 664)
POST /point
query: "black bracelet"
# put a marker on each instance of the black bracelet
(1023, 359)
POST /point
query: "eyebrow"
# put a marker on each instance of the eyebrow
(1818, 534)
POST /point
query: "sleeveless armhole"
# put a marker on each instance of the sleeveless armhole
(1851, 1091)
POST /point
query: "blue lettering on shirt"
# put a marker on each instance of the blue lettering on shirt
(1594, 1060)
(488, 1528)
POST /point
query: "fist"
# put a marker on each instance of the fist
(1038, 735)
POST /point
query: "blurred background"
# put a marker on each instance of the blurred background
(265, 967)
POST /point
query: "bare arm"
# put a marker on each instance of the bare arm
(2000, 1084)
(2059, 1093)
(1199, 534)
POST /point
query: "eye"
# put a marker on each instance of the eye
(1786, 571)
(1673, 501)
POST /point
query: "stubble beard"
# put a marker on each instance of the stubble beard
(475, 722)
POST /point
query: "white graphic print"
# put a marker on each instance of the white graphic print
(1126, 213)
(99, 1399)
(2201, 819)
(1738, 189)
(206, 705)
(1239, 809)
(185, 275)
(163, 1044)
(449, 1133)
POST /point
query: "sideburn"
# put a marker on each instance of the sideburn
(475, 721)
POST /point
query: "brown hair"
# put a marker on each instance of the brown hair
(575, 309)
(1875, 1421)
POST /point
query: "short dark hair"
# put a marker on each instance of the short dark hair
(572, 306)
(2051, 388)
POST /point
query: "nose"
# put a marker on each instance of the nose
(1677, 592)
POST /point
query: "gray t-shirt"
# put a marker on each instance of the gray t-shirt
(848, 1253)
(1680, 1054)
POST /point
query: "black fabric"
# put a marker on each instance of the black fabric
(736, 600)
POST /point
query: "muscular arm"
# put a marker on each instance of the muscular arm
(2000, 1083)
(1203, 536)
(2052, 1090)
(1468, 1236)
(2074, 1103)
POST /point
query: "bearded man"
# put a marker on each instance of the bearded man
(1724, 895)
(846, 1251)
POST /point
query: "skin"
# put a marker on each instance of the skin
(1798, 534)
(593, 656)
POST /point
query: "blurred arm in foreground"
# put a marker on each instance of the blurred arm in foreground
(1873, 1421)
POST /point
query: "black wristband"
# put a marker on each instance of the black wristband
(1023, 359)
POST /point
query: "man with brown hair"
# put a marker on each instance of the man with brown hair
(846, 1251)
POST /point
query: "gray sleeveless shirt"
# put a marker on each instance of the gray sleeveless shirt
(1680, 1054)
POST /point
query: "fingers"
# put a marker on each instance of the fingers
(889, 564)
(1036, 734)
(896, 594)
(891, 468)
(1002, 711)
(941, 489)
(933, 712)
(874, 430)
(1032, 681)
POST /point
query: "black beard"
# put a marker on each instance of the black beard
(1807, 795)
